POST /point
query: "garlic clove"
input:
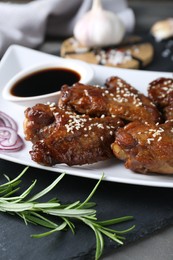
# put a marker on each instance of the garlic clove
(99, 27)
(162, 29)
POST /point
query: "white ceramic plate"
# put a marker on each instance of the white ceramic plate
(18, 58)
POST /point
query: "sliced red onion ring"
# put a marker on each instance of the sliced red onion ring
(7, 121)
(17, 146)
(1, 122)
(9, 138)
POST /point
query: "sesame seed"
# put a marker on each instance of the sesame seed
(149, 140)
(100, 126)
(51, 104)
(159, 139)
(56, 113)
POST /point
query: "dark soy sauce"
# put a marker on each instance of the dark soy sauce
(44, 82)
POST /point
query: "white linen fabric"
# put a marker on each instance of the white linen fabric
(28, 24)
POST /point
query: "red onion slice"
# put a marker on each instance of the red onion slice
(7, 121)
(17, 146)
(1, 122)
(9, 135)
(9, 138)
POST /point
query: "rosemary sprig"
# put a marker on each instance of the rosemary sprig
(32, 211)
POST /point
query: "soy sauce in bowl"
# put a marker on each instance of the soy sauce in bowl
(44, 82)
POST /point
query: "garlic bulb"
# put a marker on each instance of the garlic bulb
(162, 29)
(99, 27)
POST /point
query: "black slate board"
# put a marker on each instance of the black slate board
(163, 54)
(151, 207)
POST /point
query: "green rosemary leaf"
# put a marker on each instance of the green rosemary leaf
(92, 193)
(111, 235)
(73, 205)
(10, 187)
(71, 213)
(54, 200)
(38, 219)
(49, 188)
(114, 221)
(98, 236)
(125, 230)
(89, 205)
(113, 231)
(7, 189)
(7, 177)
(15, 207)
(9, 193)
(99, 243)
(15, 179)
(45, 205)
(70, 224)
(25, 193)
(22, 215)
(59, 228)
(93, 218)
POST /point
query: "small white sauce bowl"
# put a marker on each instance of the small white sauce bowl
(84, 70)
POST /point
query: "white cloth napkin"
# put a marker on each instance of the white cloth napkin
(28, 24)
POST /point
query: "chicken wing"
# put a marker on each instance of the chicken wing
(115, 98)
(160, 91)
(146, 147)
(65, 137)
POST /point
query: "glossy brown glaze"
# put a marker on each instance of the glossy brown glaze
(68, 138)
(160, 91)
(145, 147)
(116, 98)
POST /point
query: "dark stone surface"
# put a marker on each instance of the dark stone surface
(152, 209)
(163, 54)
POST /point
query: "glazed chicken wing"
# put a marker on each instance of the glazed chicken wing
(60, 136)
(115, 98)
(146, 147)
(160, 91)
